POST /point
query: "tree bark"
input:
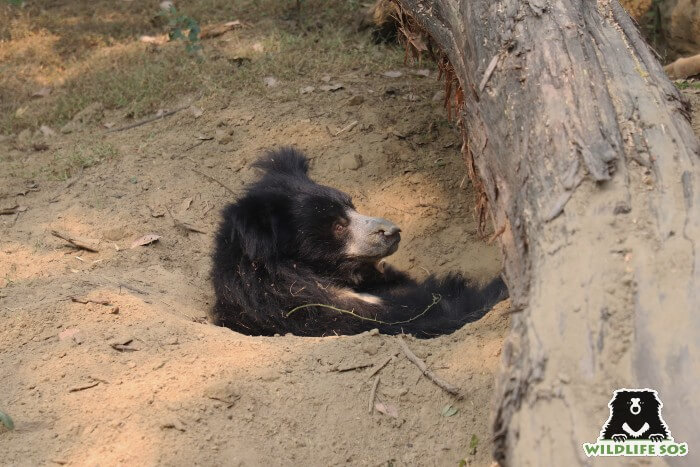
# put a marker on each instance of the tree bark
(592, 173)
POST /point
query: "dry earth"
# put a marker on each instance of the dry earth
(145, 379)
(184, 391)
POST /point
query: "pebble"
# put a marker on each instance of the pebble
(350, 161)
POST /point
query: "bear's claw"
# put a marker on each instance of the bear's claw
(656, 438)
(619, 438)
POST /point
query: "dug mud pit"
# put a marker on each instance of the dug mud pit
(144, 378)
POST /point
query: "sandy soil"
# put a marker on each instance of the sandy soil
(182, 391)
(144, 379)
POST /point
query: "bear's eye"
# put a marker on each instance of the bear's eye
(339, 226)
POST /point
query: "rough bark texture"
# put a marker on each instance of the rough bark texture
(593, 173)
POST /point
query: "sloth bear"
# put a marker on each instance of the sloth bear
(635, 414)
(293, 256)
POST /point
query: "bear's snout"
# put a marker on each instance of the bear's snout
(635, 408)
(371, 237)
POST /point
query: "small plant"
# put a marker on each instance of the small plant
(178, 24)
(684, 84)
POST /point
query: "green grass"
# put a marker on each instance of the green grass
(687, 85)
(106, 63)
(62, 165)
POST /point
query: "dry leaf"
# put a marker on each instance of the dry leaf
(449, 410)
(46, 131)
(196, 111)
(258, 47)
(270, 81)
(387, 409)
(157, 40)
(145, 240)
(307, 89)
(326, 78)
(332, 87)
(214, 31)
(392, 74)
(186, 203)
(43, 92)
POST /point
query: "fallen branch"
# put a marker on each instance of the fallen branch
(349, 127)
(382, 365)
(373, 395)
(361, 366)
(86, 301)
(81, 243)
(16, 209)
(82, 388)
(447, 387)
(147, 120)
(214, 180)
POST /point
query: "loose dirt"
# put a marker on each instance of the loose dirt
(144, 378)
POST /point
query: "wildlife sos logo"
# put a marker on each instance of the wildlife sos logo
(635, 428)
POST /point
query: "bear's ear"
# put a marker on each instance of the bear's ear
(283, 161)
(260, 226)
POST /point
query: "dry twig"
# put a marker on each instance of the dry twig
(81, 243)
(147, 120)
(84, 387)
(86, 301)
(447, 387)
(214, 180)
(379, 367)
(373, 395)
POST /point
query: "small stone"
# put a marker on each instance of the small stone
(356, 100)
(350, 161)
(622, 208)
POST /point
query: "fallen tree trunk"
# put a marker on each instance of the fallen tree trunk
(592, 174)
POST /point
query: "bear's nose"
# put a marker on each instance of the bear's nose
(389, 231)
(384, 227)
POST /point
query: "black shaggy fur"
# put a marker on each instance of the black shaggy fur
(276, 249)
(649, 412)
